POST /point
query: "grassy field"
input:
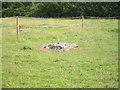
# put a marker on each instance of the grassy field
(24, 65)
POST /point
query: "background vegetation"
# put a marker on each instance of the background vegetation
(60, 9)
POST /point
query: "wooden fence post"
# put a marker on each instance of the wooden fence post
(82, 21)
(17, 27)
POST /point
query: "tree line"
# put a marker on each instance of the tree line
(60, 9)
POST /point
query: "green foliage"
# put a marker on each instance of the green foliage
(60, 9)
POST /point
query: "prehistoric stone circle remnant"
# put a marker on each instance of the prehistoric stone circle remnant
(60, 46)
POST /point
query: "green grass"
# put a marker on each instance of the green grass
(94, 67)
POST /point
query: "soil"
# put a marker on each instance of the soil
(73, 49)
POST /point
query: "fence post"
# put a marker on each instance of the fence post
(17, 27)
(82, 21)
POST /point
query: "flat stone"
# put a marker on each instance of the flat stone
(60, 46)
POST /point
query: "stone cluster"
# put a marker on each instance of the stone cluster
(60, 46)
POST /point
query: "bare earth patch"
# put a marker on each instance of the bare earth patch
(60, 47)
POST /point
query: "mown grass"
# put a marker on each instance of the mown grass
(24, 65)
